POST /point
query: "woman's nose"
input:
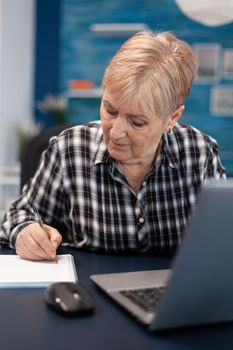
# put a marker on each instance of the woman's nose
(118, 129)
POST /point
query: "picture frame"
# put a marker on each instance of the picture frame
(221, 101)
(228, 64)
(209, 56)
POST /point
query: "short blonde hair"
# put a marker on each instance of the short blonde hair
(153, 71)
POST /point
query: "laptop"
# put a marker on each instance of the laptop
(199, 287)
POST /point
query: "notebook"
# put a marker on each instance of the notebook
(199, 288)
(17, 272)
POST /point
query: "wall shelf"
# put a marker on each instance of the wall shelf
(117, 29)
(10, 175)
(84, 93)
(9, 186)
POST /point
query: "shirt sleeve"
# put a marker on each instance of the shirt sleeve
(44, 191)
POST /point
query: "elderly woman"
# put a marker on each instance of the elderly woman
(128, 182)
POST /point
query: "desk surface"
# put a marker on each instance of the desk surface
(26, 323)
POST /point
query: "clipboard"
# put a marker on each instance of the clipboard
(17, 273)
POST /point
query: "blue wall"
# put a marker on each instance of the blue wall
(84, 55)
(46, 53)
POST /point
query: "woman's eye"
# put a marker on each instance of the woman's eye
(111, 112)
(138, 124)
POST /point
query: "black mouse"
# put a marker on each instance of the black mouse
(69, 298)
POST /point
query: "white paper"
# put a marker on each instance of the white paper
(16, 271)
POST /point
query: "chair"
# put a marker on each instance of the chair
(33, 150)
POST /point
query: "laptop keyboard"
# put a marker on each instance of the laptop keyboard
(148, 298)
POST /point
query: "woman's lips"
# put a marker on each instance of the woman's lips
(116, 144)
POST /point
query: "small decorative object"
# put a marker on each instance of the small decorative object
(81, 84)
(25, 132)
(56, 106)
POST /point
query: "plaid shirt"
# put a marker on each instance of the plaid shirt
(79, 189)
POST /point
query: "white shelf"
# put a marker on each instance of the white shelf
(2, 212)
(9, 181)
(84, 93)
(10, 175)
(117, 29)
(9, 186)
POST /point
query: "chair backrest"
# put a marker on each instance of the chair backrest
(33, 150)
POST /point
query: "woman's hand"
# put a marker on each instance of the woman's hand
(36, 243)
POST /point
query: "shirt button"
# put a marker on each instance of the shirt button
(144, 183)
(141, 220)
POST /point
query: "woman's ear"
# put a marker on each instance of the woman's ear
(175, 116)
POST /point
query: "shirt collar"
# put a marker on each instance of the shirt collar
(101, 155)
(169, 149)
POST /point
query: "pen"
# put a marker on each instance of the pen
(39, 220)
(38, 217)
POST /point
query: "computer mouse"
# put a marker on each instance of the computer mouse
(69, 298)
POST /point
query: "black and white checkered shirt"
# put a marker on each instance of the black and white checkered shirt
(79, 189)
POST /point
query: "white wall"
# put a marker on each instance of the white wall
(17, 35)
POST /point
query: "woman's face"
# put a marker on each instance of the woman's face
(131, 136)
